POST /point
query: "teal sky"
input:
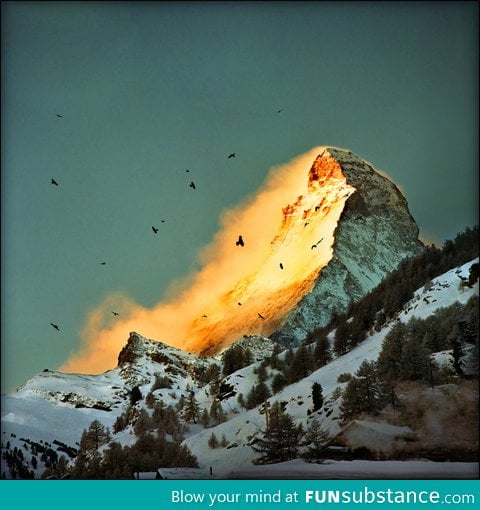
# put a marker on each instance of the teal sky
(149, 90)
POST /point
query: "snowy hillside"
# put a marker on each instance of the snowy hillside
(241, 428)
(54, 408)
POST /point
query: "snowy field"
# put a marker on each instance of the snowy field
(360, 470)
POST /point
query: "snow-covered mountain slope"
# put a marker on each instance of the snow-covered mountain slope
(260, 347)
(55, 408)
(374, 234)
(240, 429)
(343, 229)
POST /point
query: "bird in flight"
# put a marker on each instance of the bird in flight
(203, 315)
(58, 115)
(317, 207)
(192, 185)
(187, 170)
(239, 304)
(232, 155)
(155, 230)
(54, 182)
(102, 263)
(316, 244)
(261, 316)
(280, 111)
(281, 265)
(240, 241)
(116, 314)
(55, 326)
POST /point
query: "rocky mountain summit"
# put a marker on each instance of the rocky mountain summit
(374, 234)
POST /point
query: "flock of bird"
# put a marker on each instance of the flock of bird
(154, 229)
(240, 242)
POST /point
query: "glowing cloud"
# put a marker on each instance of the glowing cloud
(288, 232)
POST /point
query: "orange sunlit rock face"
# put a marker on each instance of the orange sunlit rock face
(288, 231)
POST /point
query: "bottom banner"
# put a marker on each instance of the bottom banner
(242, 494)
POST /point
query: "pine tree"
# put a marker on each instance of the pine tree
(414, 361)
(235, 358)
(135, 395)
(212, 376)
(96, 436)
(120, 423)
(274, 362)
(87, 462)
(181, 403)
(317, 396)
(257, 395)
(342, 342)
(143, 423)
(241, 400)
(390, 358)
(115, 464)
(302, 364)
(280, 440)
(316, 440)
(289, 357)
(216, 412)
(205, 418)
(191, 409)
(278, 382)
(365, 392)
(213, 441)
(321, 353)
(261, 373)
(150, 400)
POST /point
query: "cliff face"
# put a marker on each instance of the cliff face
(374, 233)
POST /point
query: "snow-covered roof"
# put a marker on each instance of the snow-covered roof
(146, 475)
(182, 473)
(384, 429)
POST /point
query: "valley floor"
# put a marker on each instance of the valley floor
(361, 470)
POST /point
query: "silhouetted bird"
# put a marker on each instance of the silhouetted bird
(240, 241)
(308, 223)
(155, 230)
(187, 170)
(58, 115)
(54, 182)
(261, 316)
(317, 243)
(239, 304)
(163, 221)
(281, 265)
(102, 263)
(280, 111)
(203, 315)
(115, 313)
(55, 326)
(317, 207)
(232, 155)
(192, 185)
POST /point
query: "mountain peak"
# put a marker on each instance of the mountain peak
(374, 233)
